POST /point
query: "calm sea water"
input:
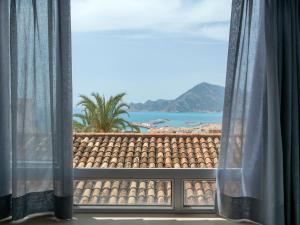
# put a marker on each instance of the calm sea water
(186, 119)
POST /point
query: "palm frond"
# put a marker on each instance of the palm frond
(103, 116)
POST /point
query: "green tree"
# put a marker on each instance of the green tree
(101, 115)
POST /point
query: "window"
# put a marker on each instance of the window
(150, 50)
(144, 171)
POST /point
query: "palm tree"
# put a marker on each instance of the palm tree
(99, 115)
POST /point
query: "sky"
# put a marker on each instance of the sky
(150, 49)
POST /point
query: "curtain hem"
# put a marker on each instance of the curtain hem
(233, 205)
(63, 207)
(5, 206)
(36, 203)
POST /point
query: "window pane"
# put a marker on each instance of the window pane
(199, 193)
(123, 192)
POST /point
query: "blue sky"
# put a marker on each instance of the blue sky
(150, 49)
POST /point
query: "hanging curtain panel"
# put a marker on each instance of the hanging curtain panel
(250, 172)
(36, 115)
(259, 173)
(283, 91)
(5, 117)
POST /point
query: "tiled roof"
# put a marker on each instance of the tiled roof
(120, 150)
(145, 151)
(123, 192)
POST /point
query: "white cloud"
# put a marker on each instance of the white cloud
(206, 18)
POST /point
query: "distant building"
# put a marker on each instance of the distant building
(211, 128)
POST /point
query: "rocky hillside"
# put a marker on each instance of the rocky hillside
(204, 97)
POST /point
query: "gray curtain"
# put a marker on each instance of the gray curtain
(283, 78)
(258, 176)
(36, 108)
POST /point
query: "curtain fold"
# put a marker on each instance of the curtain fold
(258, 177)
(5, 128)
(36, 96)
(283, 75)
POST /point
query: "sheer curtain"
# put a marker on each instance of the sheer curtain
(258, 176)
(36, 108)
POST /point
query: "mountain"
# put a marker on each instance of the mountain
(204, 97)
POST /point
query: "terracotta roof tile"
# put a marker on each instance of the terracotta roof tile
(144, 151)
(199, 192)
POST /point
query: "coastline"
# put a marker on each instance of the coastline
(177, 122)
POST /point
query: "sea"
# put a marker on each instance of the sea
(172, 119)
(175, 119)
